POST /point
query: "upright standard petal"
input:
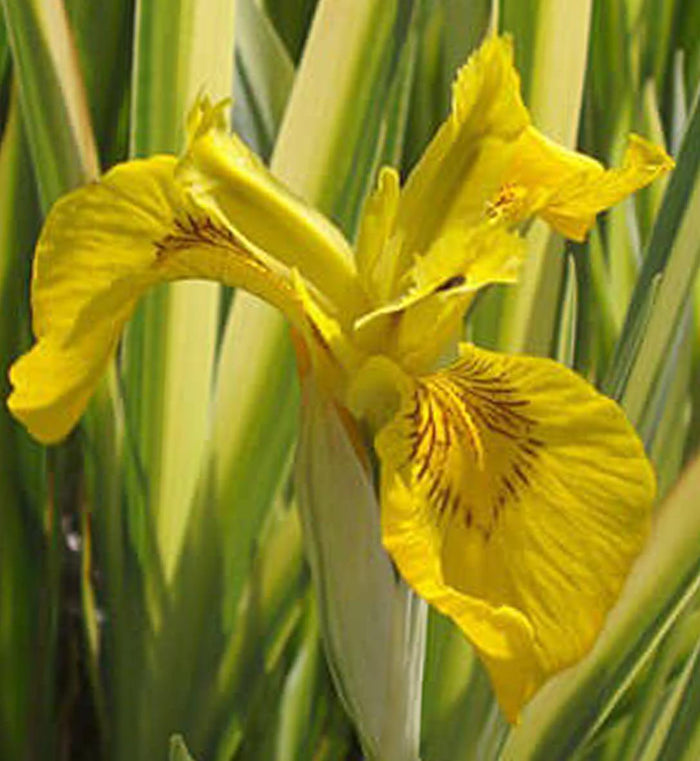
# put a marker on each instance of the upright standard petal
(102, 246)
(515, 499)
(486, 166)
(464, 164)
(375, 260)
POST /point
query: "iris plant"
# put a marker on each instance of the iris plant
(514, 496)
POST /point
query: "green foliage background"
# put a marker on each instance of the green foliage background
(152, 577)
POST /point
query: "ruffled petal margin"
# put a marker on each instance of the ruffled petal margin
(568, 189)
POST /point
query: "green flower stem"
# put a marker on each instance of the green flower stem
(373, 626)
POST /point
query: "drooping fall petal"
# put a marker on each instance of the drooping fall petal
(102, 246)
(514, 499)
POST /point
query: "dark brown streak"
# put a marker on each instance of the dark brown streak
(520, 473)
(431, 430)
(443, 415)
(452, 282)
(505, 481)
(191, 231)
(494, 406)
(419, 434)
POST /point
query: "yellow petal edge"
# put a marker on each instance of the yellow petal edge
(514, 499)
(101, 248)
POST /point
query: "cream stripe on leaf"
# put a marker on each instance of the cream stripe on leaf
(514, 498)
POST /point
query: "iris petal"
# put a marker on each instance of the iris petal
(101, 248)
(465, 160)
(515, 499)
(567, 189)
(486, 167)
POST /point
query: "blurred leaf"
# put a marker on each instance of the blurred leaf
(673, 254)
(604, 308)
(264, 77)
(292, 19)
(299, 699)
(687, 34)
(521, 20)
(430, 101)
(566, 342)
(656, 699)
(341, 39)
(384, 128)
(178, 750)
(103, 36)
(459, 707)
(268, 616)
(466, 22)
(29, 599)
(181, 49)
(52, 96)
(609, 79)
(681, 718)
(158, 560)
(5, 59)
(667, 416)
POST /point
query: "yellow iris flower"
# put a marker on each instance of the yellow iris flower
(514, 497)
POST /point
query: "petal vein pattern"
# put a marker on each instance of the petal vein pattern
(82, 297)
(515, 498)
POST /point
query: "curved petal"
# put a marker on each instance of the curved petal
(486, 166)
(419, 327)
(567, 189)
(374, 260)
(225, 177)
(515, 499)
(102, 246)
(464, 164)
